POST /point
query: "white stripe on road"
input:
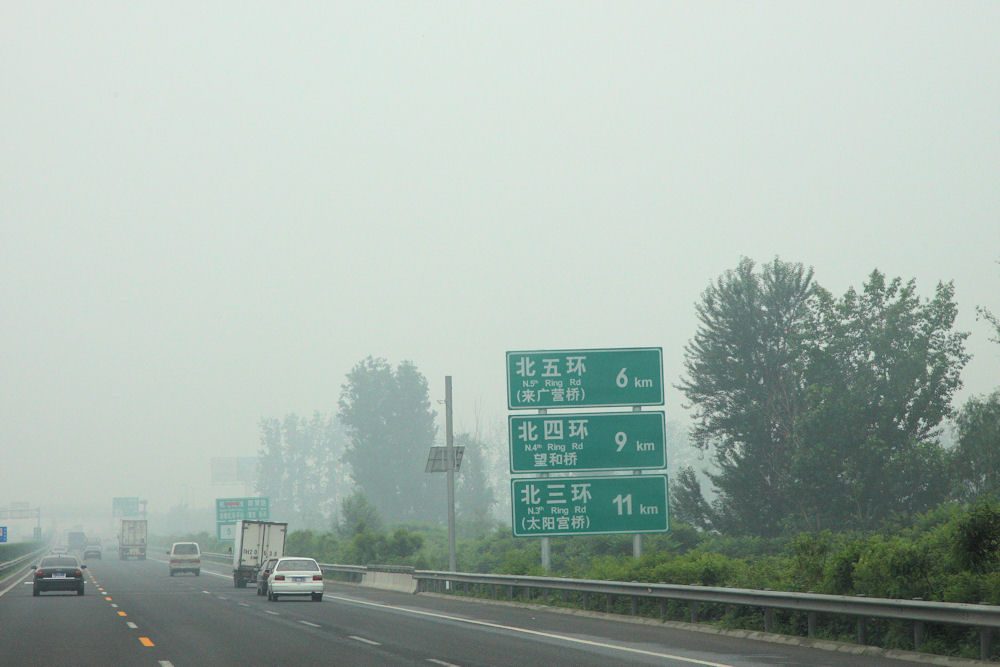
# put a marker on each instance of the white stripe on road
(131, 625)
(311, 625)
(272, 613)
(536, 633)
(366, 641)
(166, 663)
(441, 662)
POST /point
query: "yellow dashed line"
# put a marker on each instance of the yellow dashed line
(146, 641)
(121, 613)
(108, 599)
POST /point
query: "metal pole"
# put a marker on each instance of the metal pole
(450, 457)
(637, 537)
(546, 544)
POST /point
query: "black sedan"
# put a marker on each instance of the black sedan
(58, 573)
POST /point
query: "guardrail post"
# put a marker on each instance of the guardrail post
(635, 605)
(862, 634)
(811, 623)
(586, 599)
(918, 634)
(510, 592)
(768, 619)
(663, 608)
(984, 643)
(609, 603)
(693, 607)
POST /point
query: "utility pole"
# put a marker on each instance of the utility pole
(450, 464)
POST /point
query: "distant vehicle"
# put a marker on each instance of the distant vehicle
(59, 550)
(58, 573)
(76, 540)
(132, 539)
(295, 576)
(185, 557)
(92, 551)
(265, 572)
(255, 542)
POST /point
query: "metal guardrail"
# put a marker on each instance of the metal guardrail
(920, 612)
(984, 617)
(20, 561)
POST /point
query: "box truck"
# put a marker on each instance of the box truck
(132, 539)
(253, 543)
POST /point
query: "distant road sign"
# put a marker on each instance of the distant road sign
(3, 533)
(125, 506)
(595, 441)
(232, 509)
(229, 510)
(552, 506)
(585, 378)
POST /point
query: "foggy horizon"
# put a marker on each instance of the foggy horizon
(208, 216)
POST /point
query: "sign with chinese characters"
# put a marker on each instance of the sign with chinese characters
(596, 441)
(229, 510)
(121, 507)
(232, 509)
(585, 378)
(550, 506)
(3, 533)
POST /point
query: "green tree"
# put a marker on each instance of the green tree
(358, 514)
(744, 379)
(882, 368)
(390, 425)
(474, 497)
(977, 455)
(300, 467)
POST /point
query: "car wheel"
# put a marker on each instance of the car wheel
(80, 590)
(197, 573)
(35, 591)
(171, 573)
(317, 597)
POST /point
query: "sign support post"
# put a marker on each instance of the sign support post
(450, 458)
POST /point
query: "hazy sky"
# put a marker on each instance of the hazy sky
(209, 212)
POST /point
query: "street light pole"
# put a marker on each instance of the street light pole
(450, 464)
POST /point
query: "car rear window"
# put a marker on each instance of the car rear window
(58, 562)
(297, 564)
(185, 549)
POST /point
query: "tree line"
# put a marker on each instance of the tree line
(374, 446)
(826, 412)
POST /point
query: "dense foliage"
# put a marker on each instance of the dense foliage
(821, 412)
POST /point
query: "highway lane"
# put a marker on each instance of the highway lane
(189, 620)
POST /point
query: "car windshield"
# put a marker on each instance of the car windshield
(185, 549)
(298, 564)
(58, 562)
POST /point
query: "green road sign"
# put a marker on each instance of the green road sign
(229, 510)
(128, 506)
(549, 506)
(584, 378)
(596, 441)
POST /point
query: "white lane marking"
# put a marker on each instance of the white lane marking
(311, 625)
(27, 583)
(206, 592)
(166, 663)
(441, 662)
(366, 641)
(244, 604)
(203, 571)
(537, 633)
(114, 605)
(272, 613)
(15, 584)
(131, 625)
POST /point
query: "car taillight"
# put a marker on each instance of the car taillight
(38, 574)
(78, 573)
(317, 577)
(279, 577)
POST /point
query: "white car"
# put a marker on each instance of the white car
(295, 575)
(185, 557)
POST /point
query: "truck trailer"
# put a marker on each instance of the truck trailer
(132, 539)
(255, 542)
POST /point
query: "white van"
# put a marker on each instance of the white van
(185, 557)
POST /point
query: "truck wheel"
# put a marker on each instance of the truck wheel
(197, 573)
(80, 590)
